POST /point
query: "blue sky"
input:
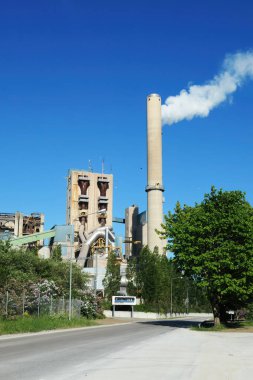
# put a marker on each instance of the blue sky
(74, 76)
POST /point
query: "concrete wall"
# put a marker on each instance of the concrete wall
(142, 315)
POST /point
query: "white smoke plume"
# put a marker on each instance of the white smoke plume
(198, 100)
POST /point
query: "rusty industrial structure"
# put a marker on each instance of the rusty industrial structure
(14, 225)
(89, 210)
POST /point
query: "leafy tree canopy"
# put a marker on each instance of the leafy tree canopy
(56, 253)
(213, 243)
(24, 266)
(111, 281)
(151, 278)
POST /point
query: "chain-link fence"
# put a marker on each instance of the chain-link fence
(25, 303)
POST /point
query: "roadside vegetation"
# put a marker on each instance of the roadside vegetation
(234, 326)
(154, 280)
(211, 270)
(34, 292)
(212, 244)
(35, 324)
(111, 281)
(212, 265)
(161, 288)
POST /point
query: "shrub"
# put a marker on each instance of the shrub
(91, 306)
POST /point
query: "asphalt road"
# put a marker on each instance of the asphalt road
(143, 350)
(71, 353)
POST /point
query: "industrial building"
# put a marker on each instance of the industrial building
(89, 210)
(14, 225)
(87, 194)
(135, 231)
(88, 235)
(140, 228)
(154, 186)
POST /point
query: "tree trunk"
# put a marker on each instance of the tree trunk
(219, 313)
(216, 312)
(216, 315)
(223, 314)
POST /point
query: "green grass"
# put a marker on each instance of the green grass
(226, 327)
(35, 324)
(247, 324)
(213, 328)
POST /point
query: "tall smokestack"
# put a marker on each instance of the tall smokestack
(154, 187)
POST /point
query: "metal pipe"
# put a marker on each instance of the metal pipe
(106, 240)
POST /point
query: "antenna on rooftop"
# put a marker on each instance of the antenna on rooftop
(90, 166)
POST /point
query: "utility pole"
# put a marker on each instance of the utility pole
(70, 287)
(96, 273)
(171, 293)
(70, 239)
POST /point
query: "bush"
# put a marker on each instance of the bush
(249, 312)
(91, 306)
(27, 281)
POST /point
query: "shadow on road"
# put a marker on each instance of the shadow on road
(172, 323)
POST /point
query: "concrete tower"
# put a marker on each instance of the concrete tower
(154, 187)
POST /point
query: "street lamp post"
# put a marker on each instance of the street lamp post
(171, 302)
(171, 293)
(70, 286)
(187, 297)
(96, 273)
(70, 240)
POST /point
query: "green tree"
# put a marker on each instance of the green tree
(213, 244)
(21, 270)
(111, 281)
(162, 293)
(153, 280)
(56, 253)
(147, 276)
(131, 277)
(151, 277)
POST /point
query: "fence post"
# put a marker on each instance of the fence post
(51, 304)
(80, 303)
(6, 303)
(39, 305)
(23, 302)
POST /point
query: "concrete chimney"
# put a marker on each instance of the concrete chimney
(154, 187)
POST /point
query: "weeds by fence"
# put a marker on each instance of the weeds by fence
(38, 304)
(28, 304)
